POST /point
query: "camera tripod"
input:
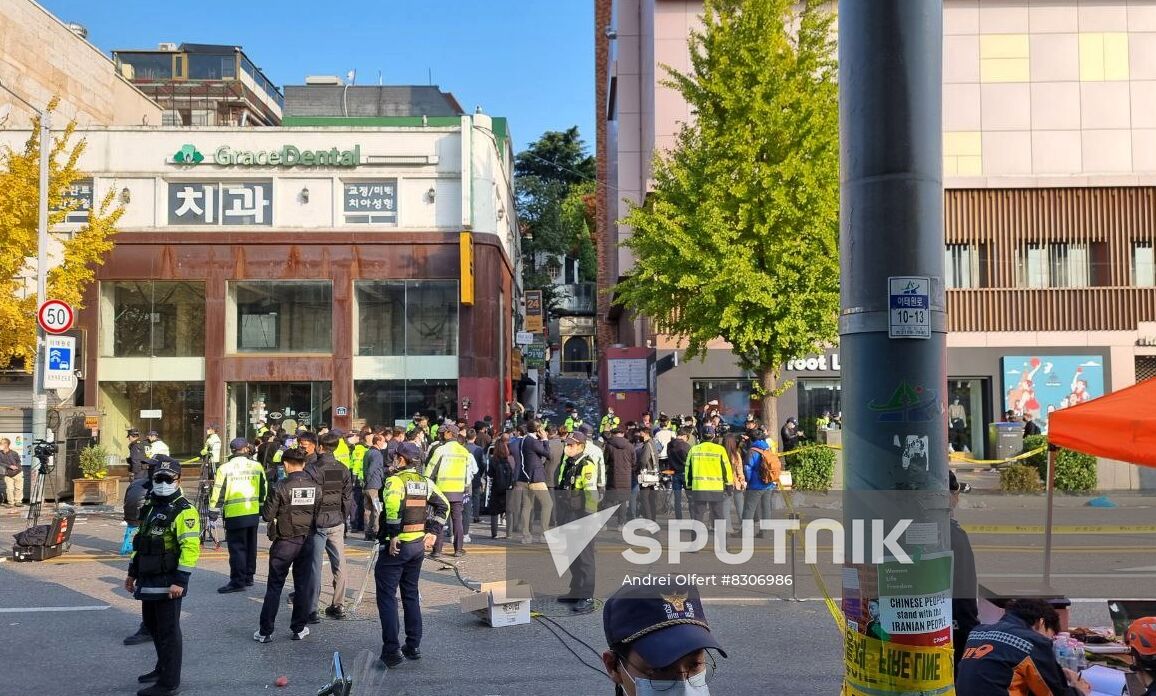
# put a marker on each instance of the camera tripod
(204, 492)
(36, 492)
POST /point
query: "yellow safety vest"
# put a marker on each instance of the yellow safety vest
(357, 461)
(708, 468)
(238, 488)
(449, 466)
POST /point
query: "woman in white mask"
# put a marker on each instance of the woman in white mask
(660, 642)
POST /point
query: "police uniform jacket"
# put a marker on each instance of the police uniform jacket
(412, 506)
(336, 483)
(167, 546)
(291, 510)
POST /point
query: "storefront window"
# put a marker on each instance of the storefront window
(294, 316)
(383, 402)
(818, 398)
(212, 67)
(412, 317)
(155, 319)
(181, 406)
(735, 398)
(966, 418)
(280, 404)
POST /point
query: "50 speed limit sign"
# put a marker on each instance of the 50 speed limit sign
(55, 316)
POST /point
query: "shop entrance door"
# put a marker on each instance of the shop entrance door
(279, 404)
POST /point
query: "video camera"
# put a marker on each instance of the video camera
(44, 451)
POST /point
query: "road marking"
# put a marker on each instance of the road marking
(1142, 569)
(1060, 529)
(33, 610)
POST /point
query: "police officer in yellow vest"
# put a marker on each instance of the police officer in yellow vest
(165, 551)
(412, 517)
(710, 479)
(449, 469)
(238, 492)
(577, 491)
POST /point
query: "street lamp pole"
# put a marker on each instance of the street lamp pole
(39, 395)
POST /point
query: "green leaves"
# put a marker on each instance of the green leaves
(739, 238)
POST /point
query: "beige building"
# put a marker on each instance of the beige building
(42, 57)
(1049, 143)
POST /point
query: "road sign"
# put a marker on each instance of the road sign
(910, 304)
(55, 316)
(535, 354)
(59, 354)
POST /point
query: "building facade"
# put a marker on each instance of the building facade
(1049, 177)
(305, 275)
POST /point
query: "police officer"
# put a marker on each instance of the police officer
(449, 469)
(291, 513)
(156, 446)
(578, 497)
(238, 491)
(412, 518)
(211, 450)
(137, 459)
(166, 549)
(709, 478)
(609, 422)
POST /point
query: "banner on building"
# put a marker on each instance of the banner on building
(466, 270)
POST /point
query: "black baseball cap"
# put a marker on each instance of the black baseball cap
(662, 624)
(409, 452)
(577, 438)
(167, 465)
(133, 432)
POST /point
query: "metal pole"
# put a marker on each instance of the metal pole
(1051, 483)
(891, 219)
(39, 396)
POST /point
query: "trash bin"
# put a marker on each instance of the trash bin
(1005, 439)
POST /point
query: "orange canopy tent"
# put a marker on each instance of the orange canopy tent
(1120, 425)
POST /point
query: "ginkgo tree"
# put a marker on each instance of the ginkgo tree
(77, 256)
(738, 239)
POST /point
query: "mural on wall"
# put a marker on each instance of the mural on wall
(1037, 385)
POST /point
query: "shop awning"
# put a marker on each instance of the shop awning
(1120, 425)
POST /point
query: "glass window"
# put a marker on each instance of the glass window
(182, 406)
(1143, 265)
(146, 66)
(383, 402)
(818, 398)
(735, 397)
(280, 404)
(156, 319)
(292, 316)
(431, 317)
(212, 67)
(411, 317)
(965, 266)
(1056, 265)
(381, 317)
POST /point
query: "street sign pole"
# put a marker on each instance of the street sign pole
(39, 395)
(893, 343)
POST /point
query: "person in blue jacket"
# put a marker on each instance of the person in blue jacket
(758, 496)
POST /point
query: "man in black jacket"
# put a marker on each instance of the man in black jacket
(620, 458)
(532, 479)
(676, 453)
(137, 459)
(329, 536)
(374, 469)
(290, 513)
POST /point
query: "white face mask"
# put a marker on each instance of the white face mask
(164, 489)
(693, 686)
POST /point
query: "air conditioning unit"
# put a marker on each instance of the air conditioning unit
(166, 46)
(323, 80)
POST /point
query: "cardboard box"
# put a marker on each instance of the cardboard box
(500, 603)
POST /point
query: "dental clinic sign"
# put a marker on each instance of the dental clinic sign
(286, 156)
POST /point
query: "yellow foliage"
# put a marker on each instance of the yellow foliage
(19, 212)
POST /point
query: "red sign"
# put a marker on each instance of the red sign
(55, 316)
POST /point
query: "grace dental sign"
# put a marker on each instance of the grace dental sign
(286, 156)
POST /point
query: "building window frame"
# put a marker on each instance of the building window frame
(1143, 264)
(1042, 265)
(965, 266)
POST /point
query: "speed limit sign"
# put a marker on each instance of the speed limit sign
(55, 316)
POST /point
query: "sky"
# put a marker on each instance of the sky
(531, 61)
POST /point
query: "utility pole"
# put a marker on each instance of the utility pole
(39, 396)
(893, 341)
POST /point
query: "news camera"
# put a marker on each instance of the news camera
(44, 451)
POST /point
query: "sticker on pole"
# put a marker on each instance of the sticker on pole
(910, 307)
(55, 316)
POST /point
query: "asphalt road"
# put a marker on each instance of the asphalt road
(61, 621)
